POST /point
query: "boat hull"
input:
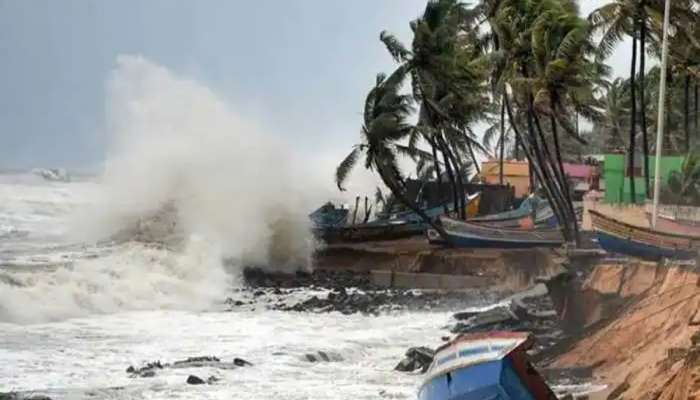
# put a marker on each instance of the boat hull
(664, 223)
(469, 235)
(487, 365)
(369, 232)
(619, 237)
(490, 380)
(614, 244)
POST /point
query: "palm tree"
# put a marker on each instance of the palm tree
(385, 124)
(563, 78)
(683, 187)
(447, 75)
(615, 104)
(632, 18)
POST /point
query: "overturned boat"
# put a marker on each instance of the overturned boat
(481, 366)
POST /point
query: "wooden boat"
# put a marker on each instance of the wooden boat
(472, 206)
(481, 366)
(527, 208)
(396, 228)
(668, 223)
(470, 235)
(620, 237)
(369, 232)
(329, 215)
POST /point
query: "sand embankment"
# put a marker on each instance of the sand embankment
(638, 320)
(510, 270)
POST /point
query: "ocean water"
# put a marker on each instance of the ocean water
(75, 314)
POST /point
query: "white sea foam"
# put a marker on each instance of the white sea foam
(174, 139)
(240, 195)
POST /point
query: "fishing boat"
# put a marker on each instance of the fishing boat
(670, 223)
(396, 228)
(471, 235)
(471, 207)
(684, 220)
(529, 206)
(620, 237)
(329, 215)
(391, 230)
(481, 366)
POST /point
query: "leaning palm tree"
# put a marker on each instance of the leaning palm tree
(385, 124)
(448, 83)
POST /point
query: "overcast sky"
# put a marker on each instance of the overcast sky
(300, 68)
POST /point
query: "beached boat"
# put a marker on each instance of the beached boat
(669, 223)
(684, 220)
(620, 237)
(399, 227)
(471, 207)
(483, 366)
(329, 215)
(369, 232)
(529, 206)
(471, 235)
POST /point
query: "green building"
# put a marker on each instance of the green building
(617, 185)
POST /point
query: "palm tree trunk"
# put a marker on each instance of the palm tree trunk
(642, 98)
(536, 167)
(695, 103)
(565, 186)
(354, 212)
(436, 162)
(503, 142)
(450, 173)
(633, 116)
(472, 155)
(552, 173)
(460, 182)
(686, 112)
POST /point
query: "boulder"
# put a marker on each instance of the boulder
(416, 358)
(322, 356)
(239, 362)
(195, 380)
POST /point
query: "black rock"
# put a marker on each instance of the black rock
(147, 374)
(416, 358)
(197, 360)
(242, 363)
(322, 356)
(212, 379)
(195, 380)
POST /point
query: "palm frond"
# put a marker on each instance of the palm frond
(345, 166)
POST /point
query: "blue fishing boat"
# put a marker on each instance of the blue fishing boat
(471, 235)
(482, 366)
(528, 207)
(620, 237)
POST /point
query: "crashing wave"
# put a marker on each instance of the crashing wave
(52, 174)
(160, 227)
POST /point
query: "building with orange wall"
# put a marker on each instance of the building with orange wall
(515, 173)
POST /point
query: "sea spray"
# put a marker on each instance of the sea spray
(174, 140)
(238, 195)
